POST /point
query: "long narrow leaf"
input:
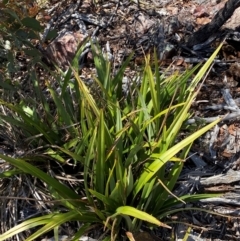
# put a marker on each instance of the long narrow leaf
(161, 159)
(133, 212)
(63, 191)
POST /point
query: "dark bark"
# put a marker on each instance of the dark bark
(219, 19)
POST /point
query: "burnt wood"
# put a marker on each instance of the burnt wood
(211, 28)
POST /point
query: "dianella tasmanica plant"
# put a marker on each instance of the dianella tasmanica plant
(126, 141)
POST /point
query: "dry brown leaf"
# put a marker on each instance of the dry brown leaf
(203, 21)
(232, 129)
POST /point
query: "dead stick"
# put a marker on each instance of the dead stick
(219, 19)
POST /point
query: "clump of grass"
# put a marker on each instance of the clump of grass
(128, 148)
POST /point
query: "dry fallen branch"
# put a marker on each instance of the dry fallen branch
(231, 116)
(227, 178)
(211, 28)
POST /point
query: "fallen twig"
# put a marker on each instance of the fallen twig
(219, 19)
(228, 117)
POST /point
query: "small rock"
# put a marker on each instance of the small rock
(63, 49)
